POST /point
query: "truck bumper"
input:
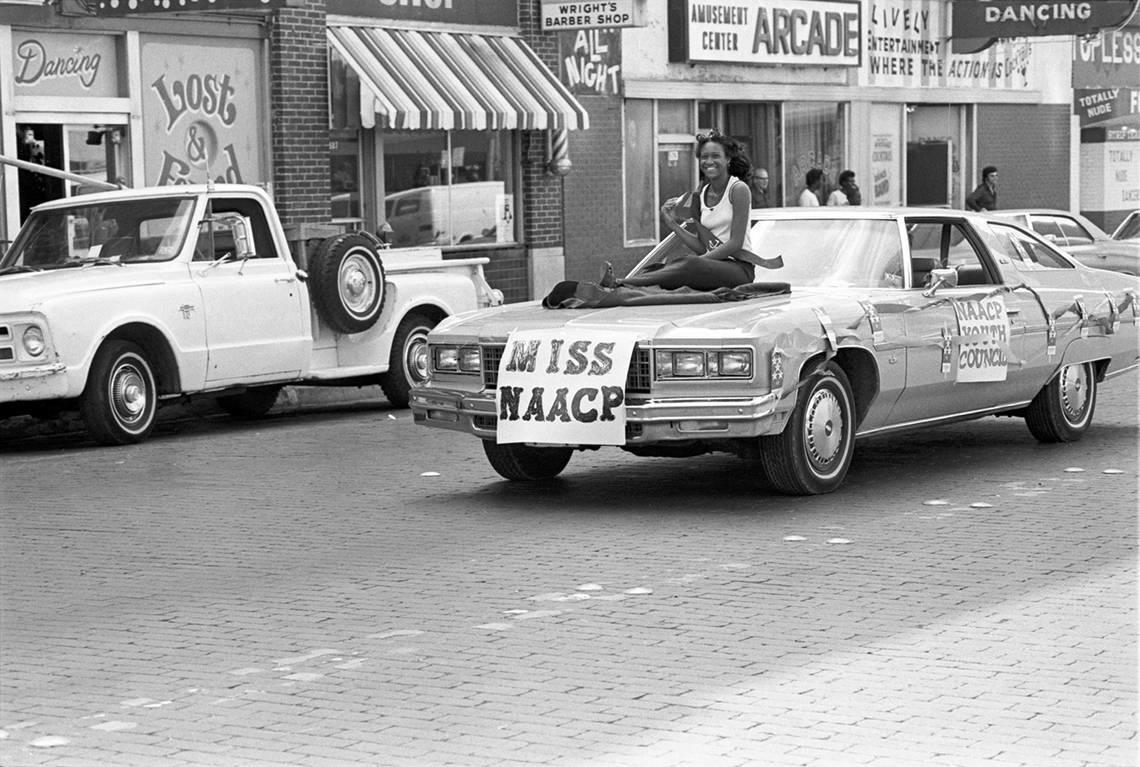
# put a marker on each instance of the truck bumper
(40, 382)
(647, 420)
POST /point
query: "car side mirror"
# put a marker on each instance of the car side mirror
(941, 278)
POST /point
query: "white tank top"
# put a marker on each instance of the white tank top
(718, 218)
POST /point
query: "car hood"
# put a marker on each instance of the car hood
(23, 291)
(734, 318)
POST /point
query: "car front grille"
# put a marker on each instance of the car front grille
(7, 349)
(637, 382)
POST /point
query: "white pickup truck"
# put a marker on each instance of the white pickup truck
(112, 303)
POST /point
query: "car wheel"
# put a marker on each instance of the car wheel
(812, 454)
(523, 462)
(347, 279)
(119, 402)
(1063, 410)
(251, 403)
(408, 362)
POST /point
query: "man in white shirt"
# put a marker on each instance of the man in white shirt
(809, 197)
(847, 190)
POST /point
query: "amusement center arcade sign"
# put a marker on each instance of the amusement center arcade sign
(805, 32)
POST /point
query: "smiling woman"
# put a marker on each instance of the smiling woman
(713, 225)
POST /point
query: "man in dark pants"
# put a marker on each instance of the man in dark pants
(985, 196)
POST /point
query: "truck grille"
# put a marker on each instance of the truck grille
(637, 382)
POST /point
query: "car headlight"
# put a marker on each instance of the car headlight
(469, 359)
(734, 363)
(455, 359)
(445, 358)
(34, 341)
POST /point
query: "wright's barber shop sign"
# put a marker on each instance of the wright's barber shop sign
(557, 387)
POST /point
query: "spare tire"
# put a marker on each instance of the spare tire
(346, 277)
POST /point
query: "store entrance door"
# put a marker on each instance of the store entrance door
(97, 152)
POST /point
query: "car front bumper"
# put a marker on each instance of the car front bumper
(647, 420)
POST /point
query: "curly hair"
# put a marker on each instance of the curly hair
(738, 163)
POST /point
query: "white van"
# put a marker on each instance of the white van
(443, 215)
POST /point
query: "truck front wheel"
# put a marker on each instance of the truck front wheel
(408, 363)
(120, 400)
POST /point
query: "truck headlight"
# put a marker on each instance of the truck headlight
(34, 341)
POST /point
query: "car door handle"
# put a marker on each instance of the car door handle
(289, 279)
(1013, 310)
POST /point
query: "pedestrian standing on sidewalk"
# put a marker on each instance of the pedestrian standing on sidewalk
(984, 197)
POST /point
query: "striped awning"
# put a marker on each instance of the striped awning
(412, 79)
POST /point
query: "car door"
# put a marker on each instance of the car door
(253, 307)
(964, 342)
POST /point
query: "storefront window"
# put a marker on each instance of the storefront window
(813, 139)
(448, 187)
(344, 182)
(757, 127)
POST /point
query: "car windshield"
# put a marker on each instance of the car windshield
(1129, 229)
(122, 231)
(839, 252)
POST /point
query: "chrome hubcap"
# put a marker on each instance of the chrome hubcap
(823, 427)
(357, 284)
(1074, 386)
(129, 394)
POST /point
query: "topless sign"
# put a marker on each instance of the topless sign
(556, 387)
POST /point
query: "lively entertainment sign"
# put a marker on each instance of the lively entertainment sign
(825, 33)
(556, 387)
(907, 48)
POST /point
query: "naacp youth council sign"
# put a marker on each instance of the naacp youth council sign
(556, 387)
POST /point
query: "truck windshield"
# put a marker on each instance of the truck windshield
(121, 231)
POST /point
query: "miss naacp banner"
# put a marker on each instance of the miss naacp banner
(558, 387)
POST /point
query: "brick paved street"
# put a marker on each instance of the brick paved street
(340, 587)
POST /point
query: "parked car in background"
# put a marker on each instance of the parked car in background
(1129, 228)
(1075, 234)
(117, 301)
(867, 321)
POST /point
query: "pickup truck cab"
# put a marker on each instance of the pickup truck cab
(112, 303)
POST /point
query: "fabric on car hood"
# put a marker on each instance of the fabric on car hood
(589, 295)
